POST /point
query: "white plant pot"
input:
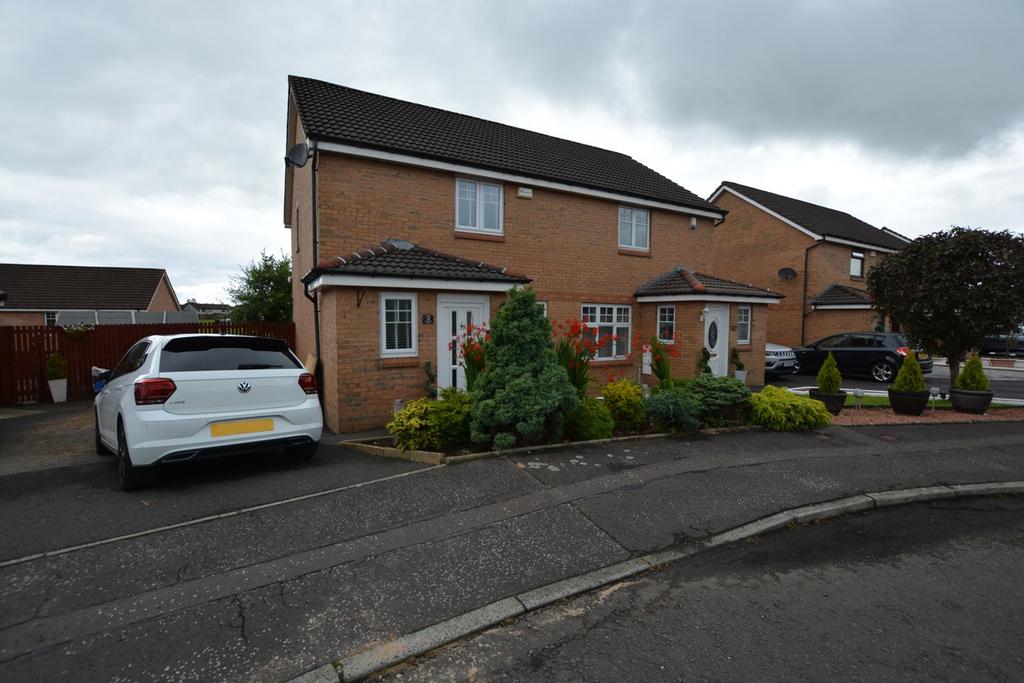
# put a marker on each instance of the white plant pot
(58, 390)
(741, 375)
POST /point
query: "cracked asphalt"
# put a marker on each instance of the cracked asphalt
(924, 592)
(349, 550)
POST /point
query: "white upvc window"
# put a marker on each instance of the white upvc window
(544, 306)
(634, 228)
(857, 264)
(608, 321)
(667, 324)
(398, 324)
(478, 206)
(50, 318)
(743, 325)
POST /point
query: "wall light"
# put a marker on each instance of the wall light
(703, 312)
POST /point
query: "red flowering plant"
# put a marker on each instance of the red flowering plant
(661, 358)
(470, 346)
(576, 345)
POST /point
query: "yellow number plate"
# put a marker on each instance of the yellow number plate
(241, 427)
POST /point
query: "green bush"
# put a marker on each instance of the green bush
(451, 415)
(673, 409)
(734, 358)
(972, 377)
(590, 421)
(625, 402)
(721, 399)
(504, 441)
(56, 367)
(782, 411)
(414, 427)
(523, 393)
(677, 382)
(704, 362)
(909, 378)
(829, 379)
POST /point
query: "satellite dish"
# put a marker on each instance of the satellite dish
(298, 155)
(787, 273)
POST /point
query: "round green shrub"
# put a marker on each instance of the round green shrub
(782, 411)
(674, 410)
(721, 399)
(625, 402)
(972, 377)
(909, 378)
(56, 367)
(590, 421)
(414, 428)
(829, 379)
(451, 416)
(504, 441)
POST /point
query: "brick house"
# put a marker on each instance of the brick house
(39, 294)
(408, 222)
(817, 257)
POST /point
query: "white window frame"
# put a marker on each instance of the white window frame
(740, 310)
(616, 309)
(618, 230)
(414, 337)
(544, 305)
(671, 340)
(857, 257)
(50, 318)
(478, 228)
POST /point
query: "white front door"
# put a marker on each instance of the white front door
(454, 313)
(716, 337)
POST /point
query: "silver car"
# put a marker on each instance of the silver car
(779, 360)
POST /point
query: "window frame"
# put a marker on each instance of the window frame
(749, 322)
(857, 257)
(50, 318)
(544, 307)
(618, 228)
(413, 351)
(478, 228)
(614, 324)
(672, 339)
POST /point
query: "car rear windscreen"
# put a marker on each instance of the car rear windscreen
(196, 354)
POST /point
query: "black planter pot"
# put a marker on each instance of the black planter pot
(973, 402)
(908, 402)
(833, 402)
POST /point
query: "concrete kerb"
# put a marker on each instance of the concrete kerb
(393, 652)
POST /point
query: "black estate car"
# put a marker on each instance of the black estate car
(1004, 344)
(875, 354)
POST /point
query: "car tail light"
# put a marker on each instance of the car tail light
(153, 391)
(308, 383)
(903, 351)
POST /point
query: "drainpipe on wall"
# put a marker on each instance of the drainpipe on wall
(803, 302)
(315, 298)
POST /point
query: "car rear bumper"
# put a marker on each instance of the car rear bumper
(156, 436)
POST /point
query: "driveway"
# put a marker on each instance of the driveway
(46, 435)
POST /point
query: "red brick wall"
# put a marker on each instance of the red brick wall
(10, 318)
(821, 324)
(163, 298)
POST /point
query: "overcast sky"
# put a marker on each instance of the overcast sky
(152, 133)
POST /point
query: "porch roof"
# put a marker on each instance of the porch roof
(681, 281)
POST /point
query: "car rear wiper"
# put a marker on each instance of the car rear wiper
(260, 366)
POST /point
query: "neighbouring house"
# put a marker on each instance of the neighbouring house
(50, 295)
(409, 222)
(817, 257)
(216, 311)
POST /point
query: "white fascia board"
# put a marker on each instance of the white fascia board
(707, 297)
(862, 245)
(4, 309)
(510, 178)
(766, 210)
(842, 307)
(329, 280)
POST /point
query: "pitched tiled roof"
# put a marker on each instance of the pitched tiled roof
(683, 281)
(820, 220)
(78, 287)
(355, 117)
(399, 258)
(841, 295)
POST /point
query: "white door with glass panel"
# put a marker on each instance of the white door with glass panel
(716, 337)
(455, 313)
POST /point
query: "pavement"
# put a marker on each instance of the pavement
(925, 592)
(262, 568)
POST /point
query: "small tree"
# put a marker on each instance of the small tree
(263, 291)
(951, 289)
(829, 379)
(973, 377)
(909, 378)
(523, 393)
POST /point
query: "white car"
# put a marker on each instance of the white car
(193, 396)
(779, 360)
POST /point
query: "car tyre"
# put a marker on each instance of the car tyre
(101, 448)
(129, 476)
(883, 371)
(304, 452)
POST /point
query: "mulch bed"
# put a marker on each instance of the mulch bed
(885, 416)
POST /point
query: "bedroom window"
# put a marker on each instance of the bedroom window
(478, 206)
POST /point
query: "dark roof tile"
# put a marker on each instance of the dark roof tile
(841, 295)
(683, 281)
(42, 287)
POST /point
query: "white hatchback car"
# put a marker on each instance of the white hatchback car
(193, 396)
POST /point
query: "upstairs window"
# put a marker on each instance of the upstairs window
(50, 318)
(610, 324)
(857, 264)
(634, 228)
(478, 206)
(667, 324)
(743, 325)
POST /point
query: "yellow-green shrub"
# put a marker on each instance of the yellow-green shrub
(782, 411)
(625, 401)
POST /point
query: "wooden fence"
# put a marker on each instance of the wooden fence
(23, 352)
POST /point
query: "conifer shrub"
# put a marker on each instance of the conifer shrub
(591, 420)
(781, 411)
(56, 367)
(829, 379)
(721, 399)
(674, 410)
(972, 377)
(909, 378)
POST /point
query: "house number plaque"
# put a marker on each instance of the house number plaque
(428, 319)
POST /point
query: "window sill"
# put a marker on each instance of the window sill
(644, 253)
(612, 362)
(399, 362)
(484, 236)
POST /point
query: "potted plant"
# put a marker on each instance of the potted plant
(908, 394)
(828, 391)
(741, 370)
(57, 377)
(971, 394)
